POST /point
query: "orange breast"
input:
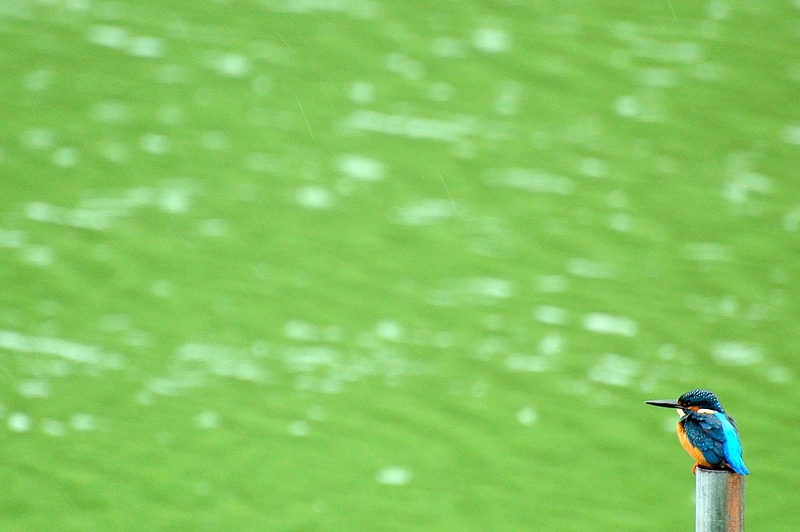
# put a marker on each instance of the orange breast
(691, 449)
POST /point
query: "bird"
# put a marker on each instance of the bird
(707, 433)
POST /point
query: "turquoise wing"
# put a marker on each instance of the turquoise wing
(732, 446)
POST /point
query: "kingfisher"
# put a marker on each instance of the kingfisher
(707, 433)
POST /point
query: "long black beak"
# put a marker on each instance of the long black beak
(666, 403)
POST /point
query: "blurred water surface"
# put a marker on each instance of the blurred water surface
(366, 265)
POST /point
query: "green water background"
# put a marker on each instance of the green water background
(361, 265)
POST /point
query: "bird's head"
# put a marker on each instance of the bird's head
(696, 400)
(700, 399)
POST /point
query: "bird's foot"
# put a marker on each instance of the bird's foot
(694, 469)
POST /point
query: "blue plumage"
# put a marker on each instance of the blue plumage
(707, 433)
(732, 445)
